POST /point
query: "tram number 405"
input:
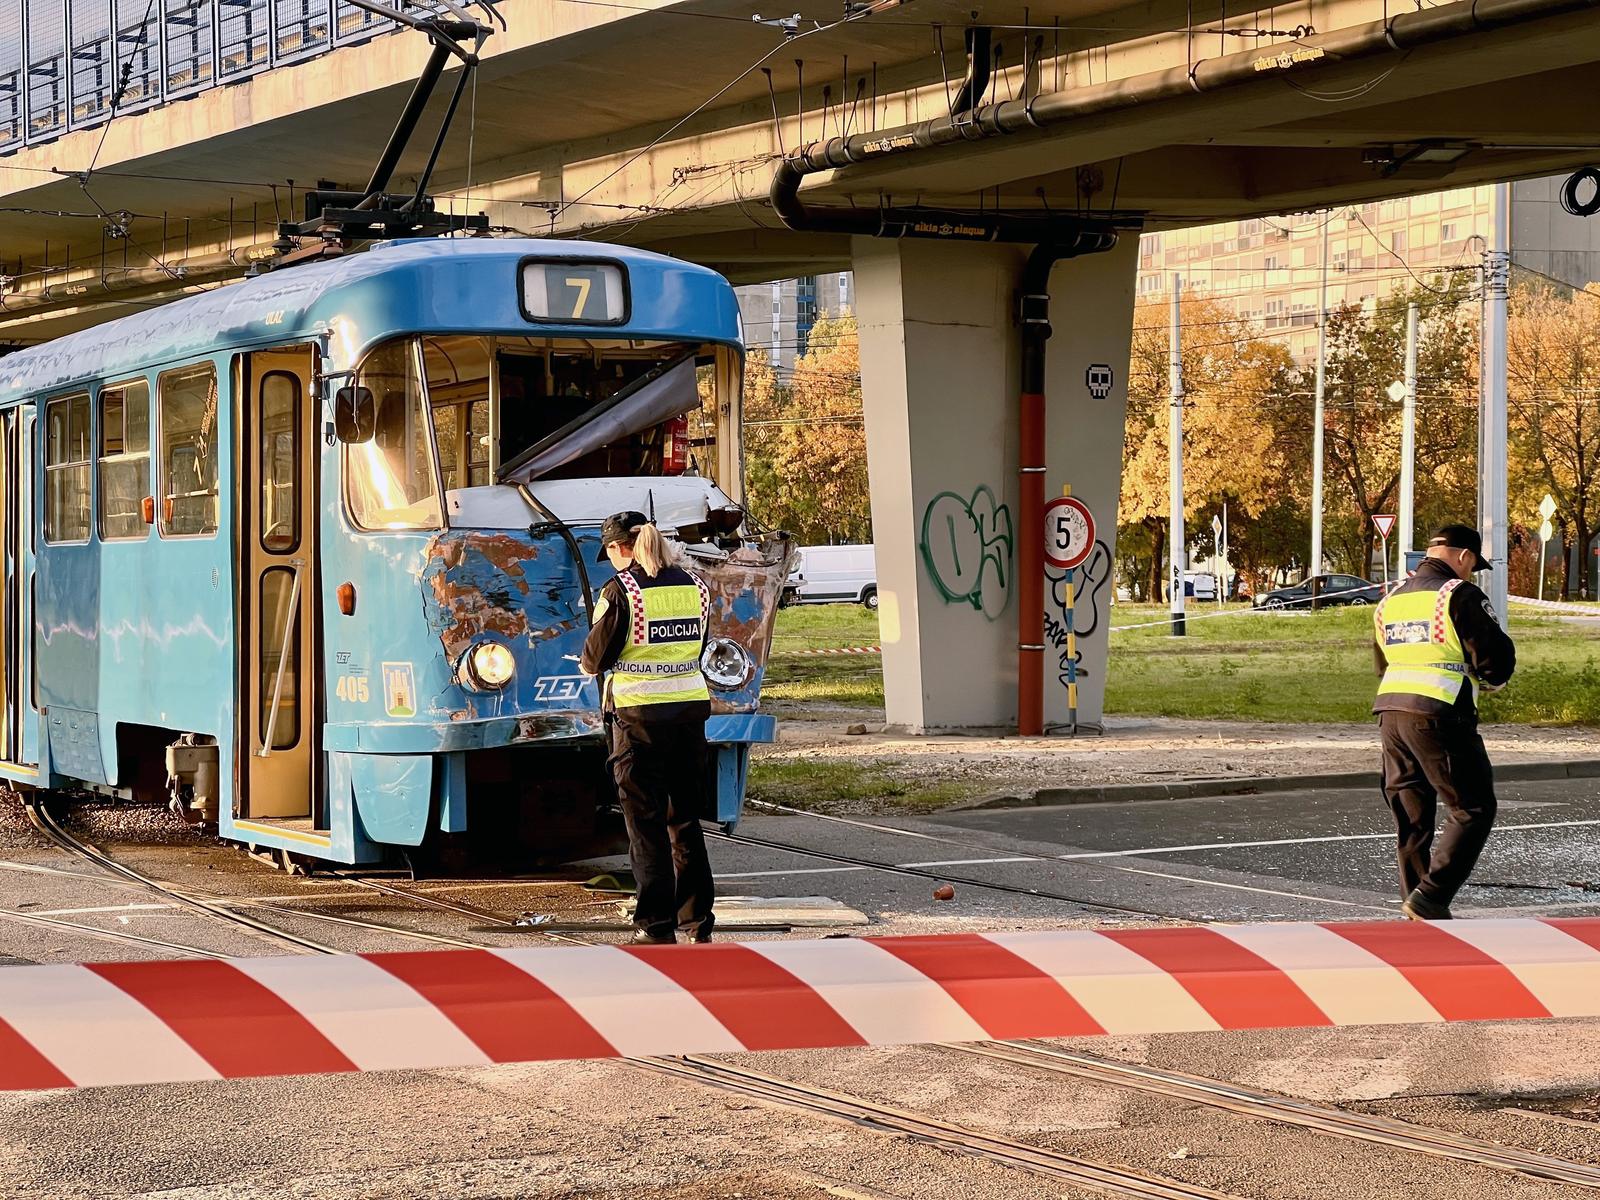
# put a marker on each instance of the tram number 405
(354, 688)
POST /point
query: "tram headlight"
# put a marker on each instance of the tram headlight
(487, 667)
(726, 664)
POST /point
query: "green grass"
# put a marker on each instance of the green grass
(1318, 667)
(1314, 667)
(851, 786)
(846, 681)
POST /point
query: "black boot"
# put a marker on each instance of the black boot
(643, 937)
(1419, 908)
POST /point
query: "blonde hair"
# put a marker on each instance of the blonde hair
(650, 549)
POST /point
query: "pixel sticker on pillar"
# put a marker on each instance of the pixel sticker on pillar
(1099, 379)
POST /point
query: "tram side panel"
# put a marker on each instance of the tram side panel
(134, 631)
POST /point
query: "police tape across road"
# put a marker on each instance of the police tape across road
(1192, 616)
(830, 650)
(170, 1021)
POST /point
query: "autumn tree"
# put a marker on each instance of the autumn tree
(805, 443)
(1553, 383)
(1234, 443)
(1365, 354)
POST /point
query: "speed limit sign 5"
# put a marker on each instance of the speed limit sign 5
(1068, 532)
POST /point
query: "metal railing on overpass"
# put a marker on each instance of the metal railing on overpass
(62, 61)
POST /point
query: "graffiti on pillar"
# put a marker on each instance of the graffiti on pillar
(966, 547)
(1098, 378)
(1089, 586)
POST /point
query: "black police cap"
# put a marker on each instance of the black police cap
(619, 527)
(1463, 537)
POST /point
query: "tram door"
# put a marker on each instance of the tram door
(18, 727)
(279, 584)
(13, 587)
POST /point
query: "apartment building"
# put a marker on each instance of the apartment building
(778, 317)
(1270, 271)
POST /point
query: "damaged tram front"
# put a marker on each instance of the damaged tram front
(401, 460)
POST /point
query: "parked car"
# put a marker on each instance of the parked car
(1201, 585)
(1336, 589)
(833, 575)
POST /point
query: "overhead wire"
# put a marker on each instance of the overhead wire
(712, 99)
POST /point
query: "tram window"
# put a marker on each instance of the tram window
(66, 470)
(279, 467)
(389, 479)
(279, 652)
(124, 460)
(458, 394)
(188, 452)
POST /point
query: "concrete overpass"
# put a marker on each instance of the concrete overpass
(660, 125)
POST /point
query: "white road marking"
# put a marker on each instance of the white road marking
(1336, 837)
(794, 871)
(971, 862)
(1244, 887)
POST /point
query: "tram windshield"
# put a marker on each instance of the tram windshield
(452, 412)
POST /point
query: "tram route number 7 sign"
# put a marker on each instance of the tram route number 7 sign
(1068, 532)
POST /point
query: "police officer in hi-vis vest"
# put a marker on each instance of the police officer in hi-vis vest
(649, 632)
(1438, 644)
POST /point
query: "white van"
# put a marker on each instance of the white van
(833, 574)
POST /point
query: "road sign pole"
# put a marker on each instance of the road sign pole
(1408, 440)
(1175, 537)
(1385, 538)
(1318, 419)
(1218, 559)
(1492, 416)
(1072, 652)
(1547, 509)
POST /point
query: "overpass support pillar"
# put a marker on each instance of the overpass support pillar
(940, 369)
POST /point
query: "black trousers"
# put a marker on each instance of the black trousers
(1426, 760)
(660, 771)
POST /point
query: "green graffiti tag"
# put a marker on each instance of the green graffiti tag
(966, 547)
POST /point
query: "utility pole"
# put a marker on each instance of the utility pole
(1492, 413)
(1314, 566)
(1408, 449)
(1175, 539)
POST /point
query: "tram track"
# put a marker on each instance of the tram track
(1097, 859)
(1099, 1177)
(224, 908)
(52, 829)
(1285, 1110)
(872, 864)
(1112, 1180)
(97, 933)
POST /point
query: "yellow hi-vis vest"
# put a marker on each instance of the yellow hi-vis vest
(660, 661)
(1421, 646)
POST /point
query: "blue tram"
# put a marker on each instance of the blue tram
(312, 552)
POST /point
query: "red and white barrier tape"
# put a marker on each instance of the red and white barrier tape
(1560, 606)
(152, 1022)
(831, 650)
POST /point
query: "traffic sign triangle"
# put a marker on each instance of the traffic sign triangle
(1385, 524)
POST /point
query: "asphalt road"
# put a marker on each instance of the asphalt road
(613, 1129)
